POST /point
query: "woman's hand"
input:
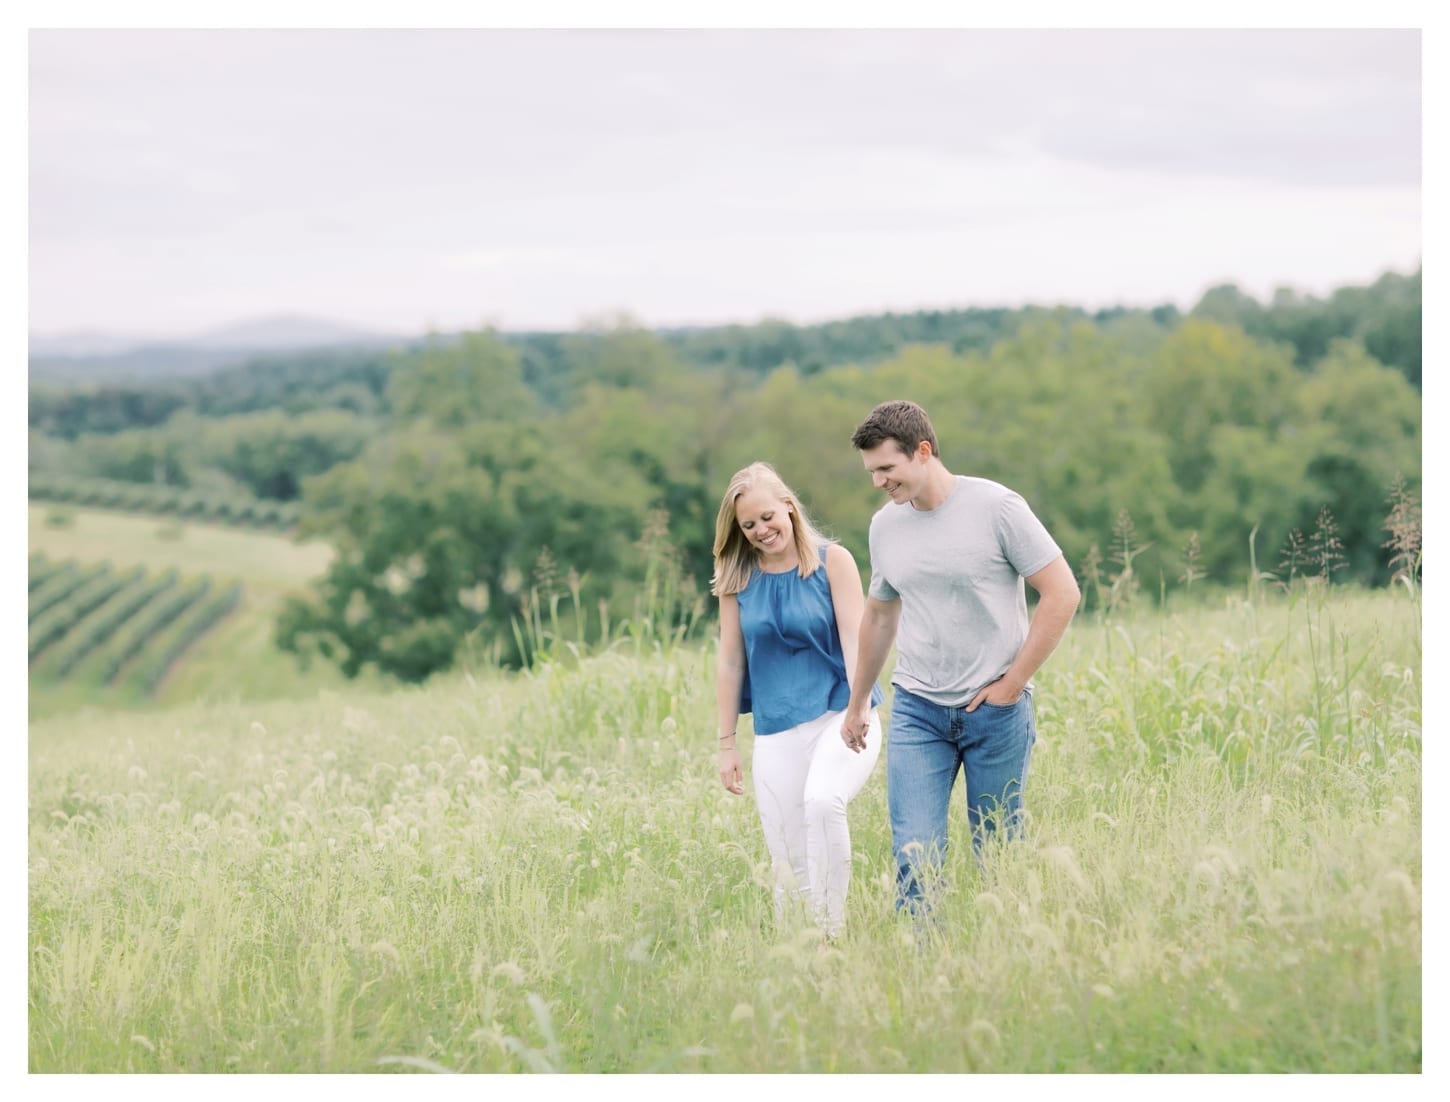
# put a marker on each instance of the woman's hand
(731, 775)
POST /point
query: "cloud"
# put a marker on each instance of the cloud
(188, 178)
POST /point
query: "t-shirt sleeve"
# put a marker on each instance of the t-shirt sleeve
(1024, 540)
(878, 587)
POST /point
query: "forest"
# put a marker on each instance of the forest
(472, 483)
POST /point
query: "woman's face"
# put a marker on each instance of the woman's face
(765, 522)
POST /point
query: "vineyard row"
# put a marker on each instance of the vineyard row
(144, 497)
(98, 627)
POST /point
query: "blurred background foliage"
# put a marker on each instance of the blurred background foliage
(472, 483)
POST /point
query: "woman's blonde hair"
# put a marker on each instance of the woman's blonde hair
(735, 558)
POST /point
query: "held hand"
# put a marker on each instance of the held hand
(998, 692)
(854, 728)
(731, 775)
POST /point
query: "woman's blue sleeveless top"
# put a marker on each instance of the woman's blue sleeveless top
(794, 667)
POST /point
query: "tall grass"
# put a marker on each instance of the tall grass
(541, 873)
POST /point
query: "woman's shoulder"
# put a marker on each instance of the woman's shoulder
(836, 556)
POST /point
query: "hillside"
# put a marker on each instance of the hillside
(234, 658)
(482, 476)
(96, 357)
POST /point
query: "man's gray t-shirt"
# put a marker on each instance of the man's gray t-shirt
(958, 571)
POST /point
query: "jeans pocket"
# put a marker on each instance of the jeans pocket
(997, 723)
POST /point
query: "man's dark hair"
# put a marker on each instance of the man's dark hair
(902, 421)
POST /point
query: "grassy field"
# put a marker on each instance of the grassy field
(1222, 873)
(267, 563)
(235, 661)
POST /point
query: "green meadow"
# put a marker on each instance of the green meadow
(540, 871)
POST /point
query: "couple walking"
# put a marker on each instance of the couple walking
(801, 650)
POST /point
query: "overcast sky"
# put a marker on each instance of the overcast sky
(407, 179)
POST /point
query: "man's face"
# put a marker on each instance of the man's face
(903, 477)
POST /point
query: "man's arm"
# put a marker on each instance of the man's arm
(1058, 596)
(878, 631)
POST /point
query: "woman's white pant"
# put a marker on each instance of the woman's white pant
(804, 778)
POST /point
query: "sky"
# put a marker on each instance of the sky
(406, 180)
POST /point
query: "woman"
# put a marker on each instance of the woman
(790, 607)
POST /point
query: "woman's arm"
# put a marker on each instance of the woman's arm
(848, 599)
(729, 677)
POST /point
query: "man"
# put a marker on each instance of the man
(948, 557)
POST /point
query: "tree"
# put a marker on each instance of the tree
(1229, 306)
(1361, 432)
(1206, 376)
(272, 454)
(438, 534)
(453, 384)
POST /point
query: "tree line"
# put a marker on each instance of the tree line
(1383, 316)
(480, 474)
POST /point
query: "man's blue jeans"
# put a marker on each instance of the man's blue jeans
(928, 743)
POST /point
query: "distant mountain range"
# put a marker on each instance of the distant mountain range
(108, 357)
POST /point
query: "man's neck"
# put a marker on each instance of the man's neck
(938, 489)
